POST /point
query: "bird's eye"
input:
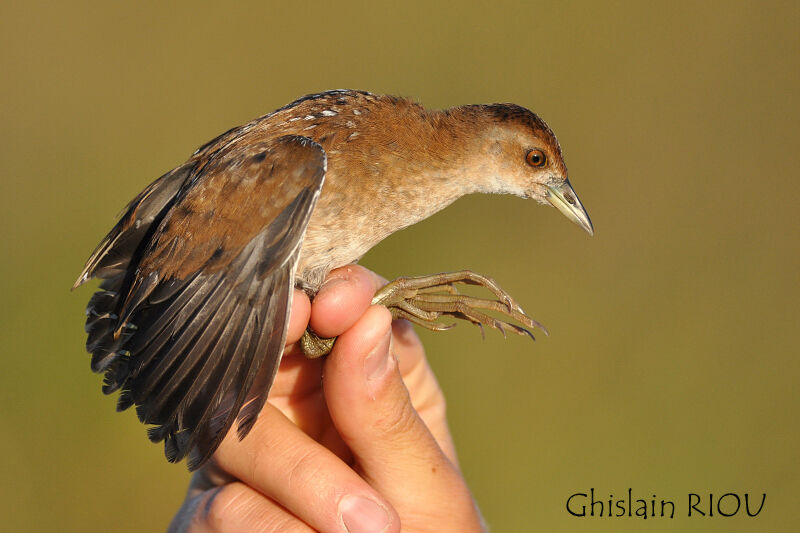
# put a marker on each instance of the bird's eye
(535, 158)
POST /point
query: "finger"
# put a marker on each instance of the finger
(231, 508)
(425, 393)
(371, 408)
(298, 321)
(409, 350)
(342, 300)
(339, 305)
(298, 375)
(283, 463)
(427, 397)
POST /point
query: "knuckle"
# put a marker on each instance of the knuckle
(397, 422)
(301, 472)
(221, 505)
(301, 468)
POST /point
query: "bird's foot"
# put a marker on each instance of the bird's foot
(314, 346)
(423, 299)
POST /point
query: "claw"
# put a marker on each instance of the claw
(530, 333)
(499, 325)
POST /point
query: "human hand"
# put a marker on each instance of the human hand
(364, 448)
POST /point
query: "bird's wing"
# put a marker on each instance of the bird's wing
(191, 319)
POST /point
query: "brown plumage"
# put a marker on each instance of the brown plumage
(190, 321)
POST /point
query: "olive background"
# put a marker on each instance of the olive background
(672, 361)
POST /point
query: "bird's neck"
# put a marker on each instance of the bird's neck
(443, 151)
(432, 165)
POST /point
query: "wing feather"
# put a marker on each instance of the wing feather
(114, 253)
(191, 320)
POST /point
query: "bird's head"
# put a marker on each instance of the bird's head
(522, 157)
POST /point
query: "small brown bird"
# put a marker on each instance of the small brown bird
(191, 318)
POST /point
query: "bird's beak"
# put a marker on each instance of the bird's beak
(565, 200)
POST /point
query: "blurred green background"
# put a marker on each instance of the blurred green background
(672, 363)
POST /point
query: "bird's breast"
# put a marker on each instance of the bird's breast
(358, 209)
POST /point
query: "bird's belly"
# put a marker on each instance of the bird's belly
(331, 245)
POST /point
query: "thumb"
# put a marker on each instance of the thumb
(372, 411)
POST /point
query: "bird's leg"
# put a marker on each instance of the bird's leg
(314, 346)
(423, 299)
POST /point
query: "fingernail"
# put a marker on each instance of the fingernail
(362, 515)
(340, 275)
(334, 282)
(377, 362)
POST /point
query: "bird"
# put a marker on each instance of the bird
(190, 319)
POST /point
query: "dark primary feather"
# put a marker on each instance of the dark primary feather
(112, 256)
(191, 317)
